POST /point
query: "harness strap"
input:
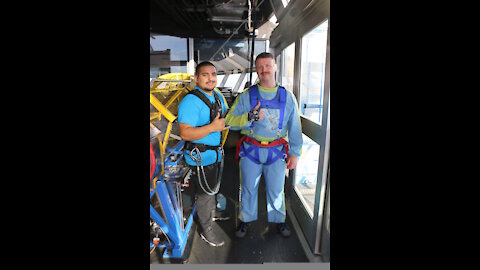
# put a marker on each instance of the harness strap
(270, 145)
(278, 102)
(214, 107)
(202, 147)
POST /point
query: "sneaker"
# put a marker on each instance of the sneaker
(283, 229)
(213, 240)
(241, 230)
(220, 215)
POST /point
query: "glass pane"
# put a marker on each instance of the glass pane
(306, 173)
(314, 48)
(169, 55)
(232, 80)
(219, 79)
(288, 57)
(245, 79)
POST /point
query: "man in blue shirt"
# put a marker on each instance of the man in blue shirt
(201, 126)
(266, 113)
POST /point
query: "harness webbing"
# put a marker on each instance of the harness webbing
(214, 107)
(279, 153)
(278, 102)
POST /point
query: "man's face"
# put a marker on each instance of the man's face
(266, 69)
(206, 78)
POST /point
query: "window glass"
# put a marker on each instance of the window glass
(314, 48)
(167, 55)
(306, 173)
(232, 80)
(288, 58)
(220, 79)
(245, 79)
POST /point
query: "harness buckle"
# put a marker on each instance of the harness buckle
(264, 142)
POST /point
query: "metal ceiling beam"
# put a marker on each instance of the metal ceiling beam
(225, 19)
(236, 30)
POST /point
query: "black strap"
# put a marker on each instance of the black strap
(214, 107)
(202, 147)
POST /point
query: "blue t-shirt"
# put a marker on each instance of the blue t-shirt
(194, 112)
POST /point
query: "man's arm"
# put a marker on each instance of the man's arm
(295, 138)
(189, 133)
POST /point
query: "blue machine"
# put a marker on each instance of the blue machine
(167, 189)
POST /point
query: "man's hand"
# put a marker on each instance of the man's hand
(292, 162)
(260, 113)
(218, 124)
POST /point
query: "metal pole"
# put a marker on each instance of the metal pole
(253, 41)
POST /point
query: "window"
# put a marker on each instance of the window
(288, 59)
(306, 173)
(314, 48)
(167, 55)
(245, 79)
(232, 80)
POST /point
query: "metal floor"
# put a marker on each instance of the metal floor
(262, 244)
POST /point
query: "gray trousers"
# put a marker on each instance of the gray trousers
(205, 203)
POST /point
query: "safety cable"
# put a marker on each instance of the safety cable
(168, 239)
(179, 203)
(166, 236)
(198, 160)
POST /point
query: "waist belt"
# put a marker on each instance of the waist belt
(202, 147)
(242, 152)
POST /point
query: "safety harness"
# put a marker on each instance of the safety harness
(198, 148)
(272, 150)
(278, 102)
(214, 108)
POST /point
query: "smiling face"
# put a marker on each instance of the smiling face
(206, 78)
(266, 69)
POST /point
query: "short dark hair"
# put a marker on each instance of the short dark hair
(265, 55)
(202, 64)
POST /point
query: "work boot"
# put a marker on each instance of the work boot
(283, 229)
(220, 215)
(211, 238)
(241, 230)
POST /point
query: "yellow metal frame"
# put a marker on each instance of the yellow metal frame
(175, 82)
(162, 109)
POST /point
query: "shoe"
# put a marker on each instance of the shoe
(211, 238)
(283, 229)
(220, 215)
(241, 230)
